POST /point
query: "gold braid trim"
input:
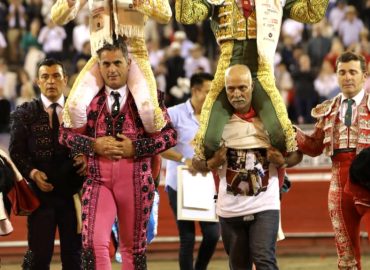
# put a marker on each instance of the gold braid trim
(61, 13)
(191, 11)
(159, 10)
(74, 94)
(218, 84)
(265, 77)
(140, 55)
(308, 11)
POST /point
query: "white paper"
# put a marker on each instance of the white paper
(198, 190)
(195, 196)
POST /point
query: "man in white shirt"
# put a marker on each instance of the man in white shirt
(248, 199)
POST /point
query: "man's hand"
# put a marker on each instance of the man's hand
(107, 147)
(40, 178)
(114, 149)
(189, 163)
(126, 146)
(80, 162)
(276, 157)
(71, 3)
(218, 158)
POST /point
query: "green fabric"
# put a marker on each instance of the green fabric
(245, 53)
(265, 110)
(220, 115)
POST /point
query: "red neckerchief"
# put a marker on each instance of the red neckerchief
(248, 116)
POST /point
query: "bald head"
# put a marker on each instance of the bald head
(237, 70)
(239, 86)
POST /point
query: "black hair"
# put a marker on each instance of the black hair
(351, 56)
(199, 78)
(118, 44)
(50, 62)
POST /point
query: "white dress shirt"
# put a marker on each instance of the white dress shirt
(343, 105)
(122, 99)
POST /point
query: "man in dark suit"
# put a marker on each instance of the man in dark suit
(4, 113)
(52, 173)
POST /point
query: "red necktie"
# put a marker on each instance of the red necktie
(247, 7)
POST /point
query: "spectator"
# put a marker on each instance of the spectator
(196, 62)
(337, 15)
(8, 81)
(305, 95)
(336, 49)
(3, 18)
(79, 66)
(175, 69)
(33, 11)
(81, 35)
(287, 54)
(26, 90)
(160, 76)
(326, 83)
(318, 47)
(284, 82)
(156, 55)
(29, 38)
(366, 14)
(16, 24)
(85, 54)
(3, 45)
(185, 43)
(51, 37)
(293, 29)
(350, 28)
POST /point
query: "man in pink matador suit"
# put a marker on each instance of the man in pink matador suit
(110, 19)
(119, 179)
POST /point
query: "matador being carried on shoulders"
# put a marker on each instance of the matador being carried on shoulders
(247, 32)
(109, 20)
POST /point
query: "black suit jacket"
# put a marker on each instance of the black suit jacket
(32, 147)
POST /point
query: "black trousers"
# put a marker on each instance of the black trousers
(54, 212)
(210, 232)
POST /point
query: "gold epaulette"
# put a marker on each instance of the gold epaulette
(324, 108)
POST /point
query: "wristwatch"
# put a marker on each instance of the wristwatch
(182, 160)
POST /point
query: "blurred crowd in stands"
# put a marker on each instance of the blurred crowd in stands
(304, 62)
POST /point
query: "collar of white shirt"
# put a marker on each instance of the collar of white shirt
(47, 103)
(358, 98)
